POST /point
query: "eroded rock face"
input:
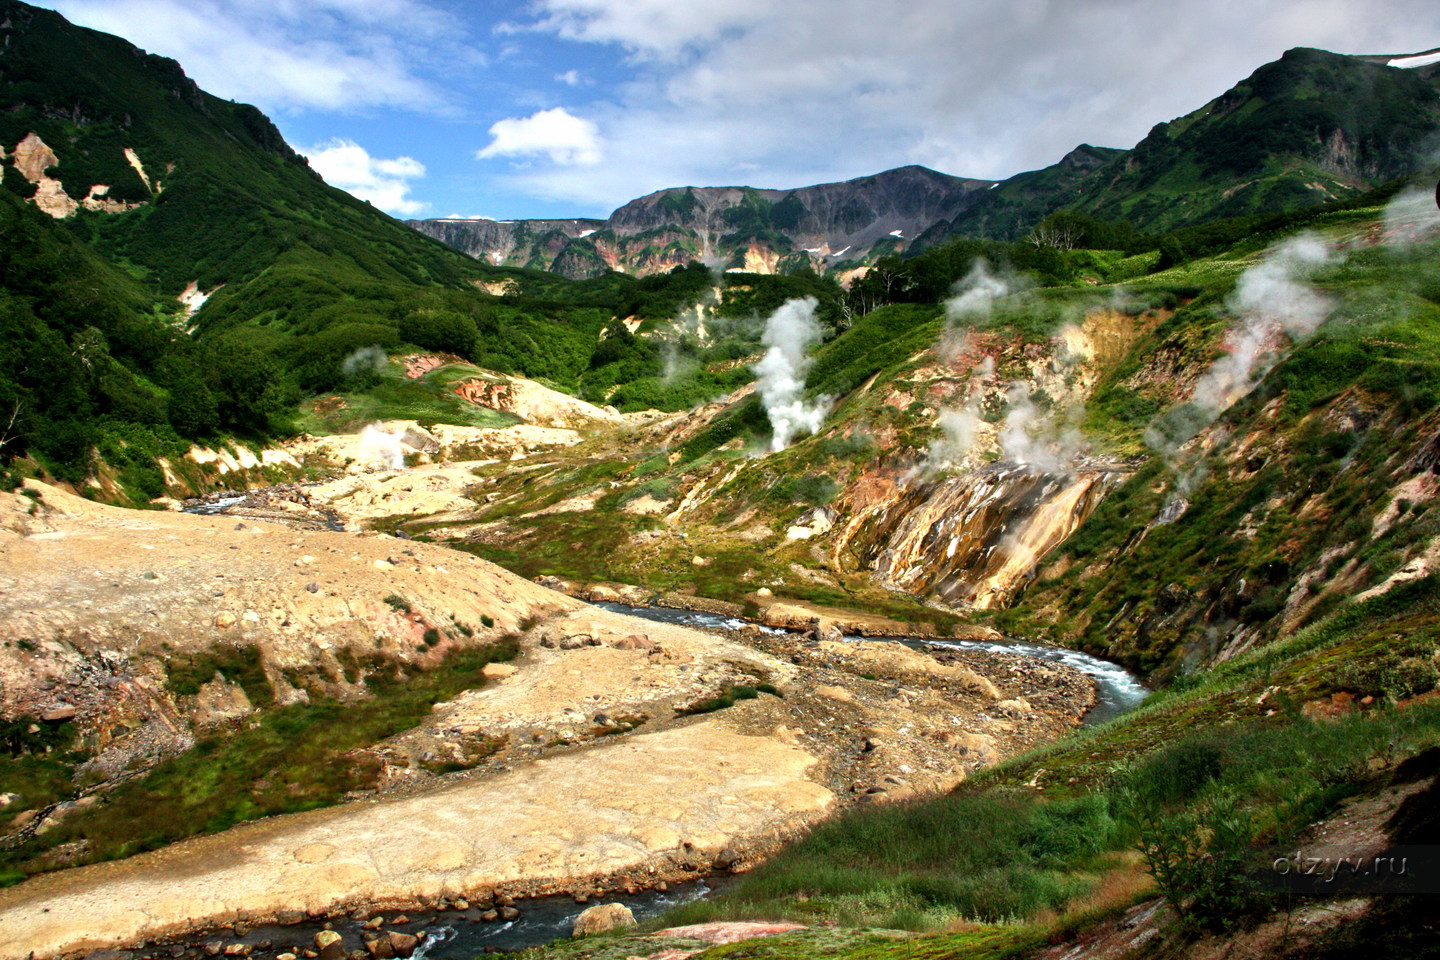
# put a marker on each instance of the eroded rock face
(100, 604)
(33, 158)
(534, 403)
(975, 539)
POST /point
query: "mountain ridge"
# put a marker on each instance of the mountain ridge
(729, 227)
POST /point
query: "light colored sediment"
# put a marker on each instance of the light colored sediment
(598, 772)
(441, 442)
(600, 811)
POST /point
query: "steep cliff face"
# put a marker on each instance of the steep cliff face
(975, 539)
(727, 227)
(517, 242)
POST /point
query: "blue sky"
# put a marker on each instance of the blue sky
(560, 108)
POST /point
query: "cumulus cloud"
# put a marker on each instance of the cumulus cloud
(385, 183)
(287, 54)
(566, 139)
(816, 90)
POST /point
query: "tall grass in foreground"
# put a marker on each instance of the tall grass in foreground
(997, 853)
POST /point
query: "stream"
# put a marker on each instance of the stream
(1117, 690)
(462, 934)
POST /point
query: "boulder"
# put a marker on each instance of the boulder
(602, 917)
(635, 641)
(1014, 708)
(330, 945)
(498, 671)
(380, 948)
(970, 631)
(403, 945)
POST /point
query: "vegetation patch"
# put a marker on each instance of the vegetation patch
(283, 760)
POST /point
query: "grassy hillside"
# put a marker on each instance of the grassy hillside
(1308, 129)
(92, 364)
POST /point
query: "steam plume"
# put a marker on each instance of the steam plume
(789, 334)
(1411, 217)
(363, 360)
(377, 443)
(1277, 308)
(975, 294)
(1272, 299)
(1031, 442)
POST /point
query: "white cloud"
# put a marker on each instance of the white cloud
(813, 90)
(650, 28)
(566, 139)
(385, 183)
(571, 78)
(340, 55)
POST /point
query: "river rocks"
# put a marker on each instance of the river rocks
(726, 859)
(509, 913)
(330, 945)
(602, 917)
(380, 948)
(403, 944)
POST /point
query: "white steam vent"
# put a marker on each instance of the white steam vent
(789, 334)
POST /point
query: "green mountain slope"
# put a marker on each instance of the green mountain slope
(90, 361)
(1310, 127)
(184, 190)
(1307, 129)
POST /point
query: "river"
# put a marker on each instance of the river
(1117, 690)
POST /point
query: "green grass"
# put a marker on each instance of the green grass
(286, 759)
(425, 400)
(187, 673)
(999, 850)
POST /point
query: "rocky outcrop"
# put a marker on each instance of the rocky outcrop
(534, 403)
(976, 539)
(98, 605)
(33, 159)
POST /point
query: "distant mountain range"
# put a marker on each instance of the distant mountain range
(759, 231)
(1313, 126)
